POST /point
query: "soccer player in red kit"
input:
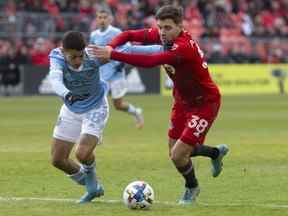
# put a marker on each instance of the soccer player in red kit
(196, 97)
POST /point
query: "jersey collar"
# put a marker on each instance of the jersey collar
(104, 32)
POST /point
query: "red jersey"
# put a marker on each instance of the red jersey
(183, 63)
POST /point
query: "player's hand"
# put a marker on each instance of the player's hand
(73, 98)
(103, 53)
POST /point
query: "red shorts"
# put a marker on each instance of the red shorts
(191, 124)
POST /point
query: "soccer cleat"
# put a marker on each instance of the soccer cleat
(89, 196)
(81, 181)
(189, 196)
(139, 118)
(217, 163)
(94, 189)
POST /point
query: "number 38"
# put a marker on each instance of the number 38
(199, 124)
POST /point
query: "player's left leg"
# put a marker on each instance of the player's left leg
(216, 154)
(85, 155)
(118, 91)
(125, 106)
(180, 155)
(205, 151)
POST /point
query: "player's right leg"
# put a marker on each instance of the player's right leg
(180, 155)
(60, 159)
(66, 132)
(84, 154)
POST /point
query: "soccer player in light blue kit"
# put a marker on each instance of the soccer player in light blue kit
(75, 78)
(114, 72)
(74, 75)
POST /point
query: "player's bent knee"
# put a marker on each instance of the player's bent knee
(175, 157)
(118, 104)
(58, 163)
(178, 159)
(82, 155)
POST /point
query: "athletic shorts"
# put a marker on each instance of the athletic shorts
(70, 125)
(118, 87)
(191, 124)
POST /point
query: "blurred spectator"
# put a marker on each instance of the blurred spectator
(10, 69)
(234, 24)
(40, 51)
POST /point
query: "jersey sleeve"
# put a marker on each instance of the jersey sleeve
(56, 74)
(146, 36)
(148, 49)
(145, 60)
(174, 56)
(141, 49)
(91, 37)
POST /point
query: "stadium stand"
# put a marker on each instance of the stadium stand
(229, 31)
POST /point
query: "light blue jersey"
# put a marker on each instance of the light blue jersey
(83, 81)
(144, 49)
(114, 69)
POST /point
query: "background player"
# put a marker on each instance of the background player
(196, 97)
(114, 72)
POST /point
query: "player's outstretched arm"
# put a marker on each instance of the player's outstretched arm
(144, 60)
(148, 36)
(141, 49)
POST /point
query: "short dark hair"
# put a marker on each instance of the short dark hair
(170, 12)
(105, 10)
(73, 40)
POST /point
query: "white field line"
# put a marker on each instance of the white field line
(49, 199)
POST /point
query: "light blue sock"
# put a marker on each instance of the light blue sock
(88, 168)
(93, 188)
(90, 177)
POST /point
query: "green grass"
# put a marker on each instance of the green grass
(254, 181)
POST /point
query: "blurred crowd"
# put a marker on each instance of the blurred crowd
(229, 31)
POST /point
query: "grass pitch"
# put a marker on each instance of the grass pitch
(254, 180)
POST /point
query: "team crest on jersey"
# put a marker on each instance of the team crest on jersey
(169, 69)
(89, 72)
(67, 75)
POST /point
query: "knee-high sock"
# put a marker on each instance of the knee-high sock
(206, 151)
(90, 167)
(188, 173)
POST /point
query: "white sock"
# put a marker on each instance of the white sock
(132, 109)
